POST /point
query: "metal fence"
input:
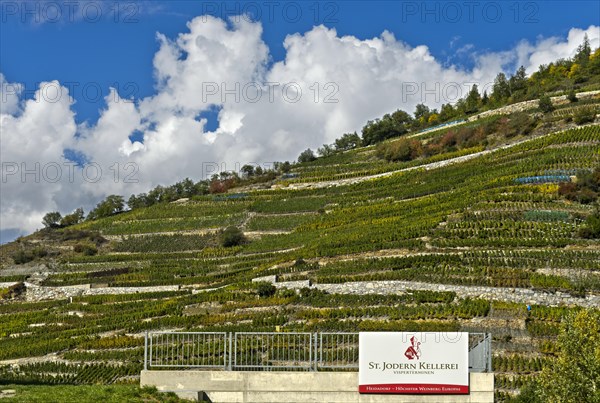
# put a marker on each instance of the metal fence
(186, 350)
(273, 351)
(282, 351)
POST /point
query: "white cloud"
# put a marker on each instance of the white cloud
(9, 96)
(366, 77)
(554, 48)
(33, 140)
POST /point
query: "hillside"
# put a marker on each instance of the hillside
(463, 235)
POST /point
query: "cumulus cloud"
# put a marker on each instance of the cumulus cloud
(548, 50)
(327, 85)
(9, 95)
(34, 137)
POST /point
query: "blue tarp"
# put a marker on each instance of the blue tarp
(544, 179)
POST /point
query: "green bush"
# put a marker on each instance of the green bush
(265, 290)
(591, 230)
(584, 115)
(25, 256)
(86, 249)
(232, 236)
(545, 104)
(400, 150)
(12, 291)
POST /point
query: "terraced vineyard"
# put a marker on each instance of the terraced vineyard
(463, 245)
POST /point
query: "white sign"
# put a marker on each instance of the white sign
(413, 363)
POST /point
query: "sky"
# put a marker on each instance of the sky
(116, 97)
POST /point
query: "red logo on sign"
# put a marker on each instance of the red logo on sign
(414, 351)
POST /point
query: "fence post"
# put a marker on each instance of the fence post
(230, 349)
(146, 351)
(316, 358)
(489, 352)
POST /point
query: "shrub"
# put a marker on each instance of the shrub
(232, 236)
(265, 290)
(22, 257)
(591, 230)
(86, 249)
(521, 124)
(26, 256)
(545, 104)
(286, 293)
(13, 291)
(571, 96)
(69, 235)
(584, 115)
(400, 150)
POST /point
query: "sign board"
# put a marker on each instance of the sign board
(413, 363)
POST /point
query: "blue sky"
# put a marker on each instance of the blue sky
(162, 54)
(94, 53)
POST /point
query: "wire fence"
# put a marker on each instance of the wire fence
(257, 351)
(281, 351)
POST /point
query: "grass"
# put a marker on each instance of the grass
(88, 393)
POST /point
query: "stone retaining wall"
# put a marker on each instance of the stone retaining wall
(517, 295)
(527, 105)
(37, 293)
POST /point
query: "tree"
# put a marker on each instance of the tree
(52, 219)
(518, 83)
(283, 167)
(248, 170)
(390, 125)
(447, 112)
(139, 201)
(501, 89)
(74, 218)
(582, 56)
(113, 204)
(545, 104)
(421, 111)
(326, 151)
(575, 374)
(472, 101)
(348, 141)
(232, 236)
(306, 156)
(485, 99)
